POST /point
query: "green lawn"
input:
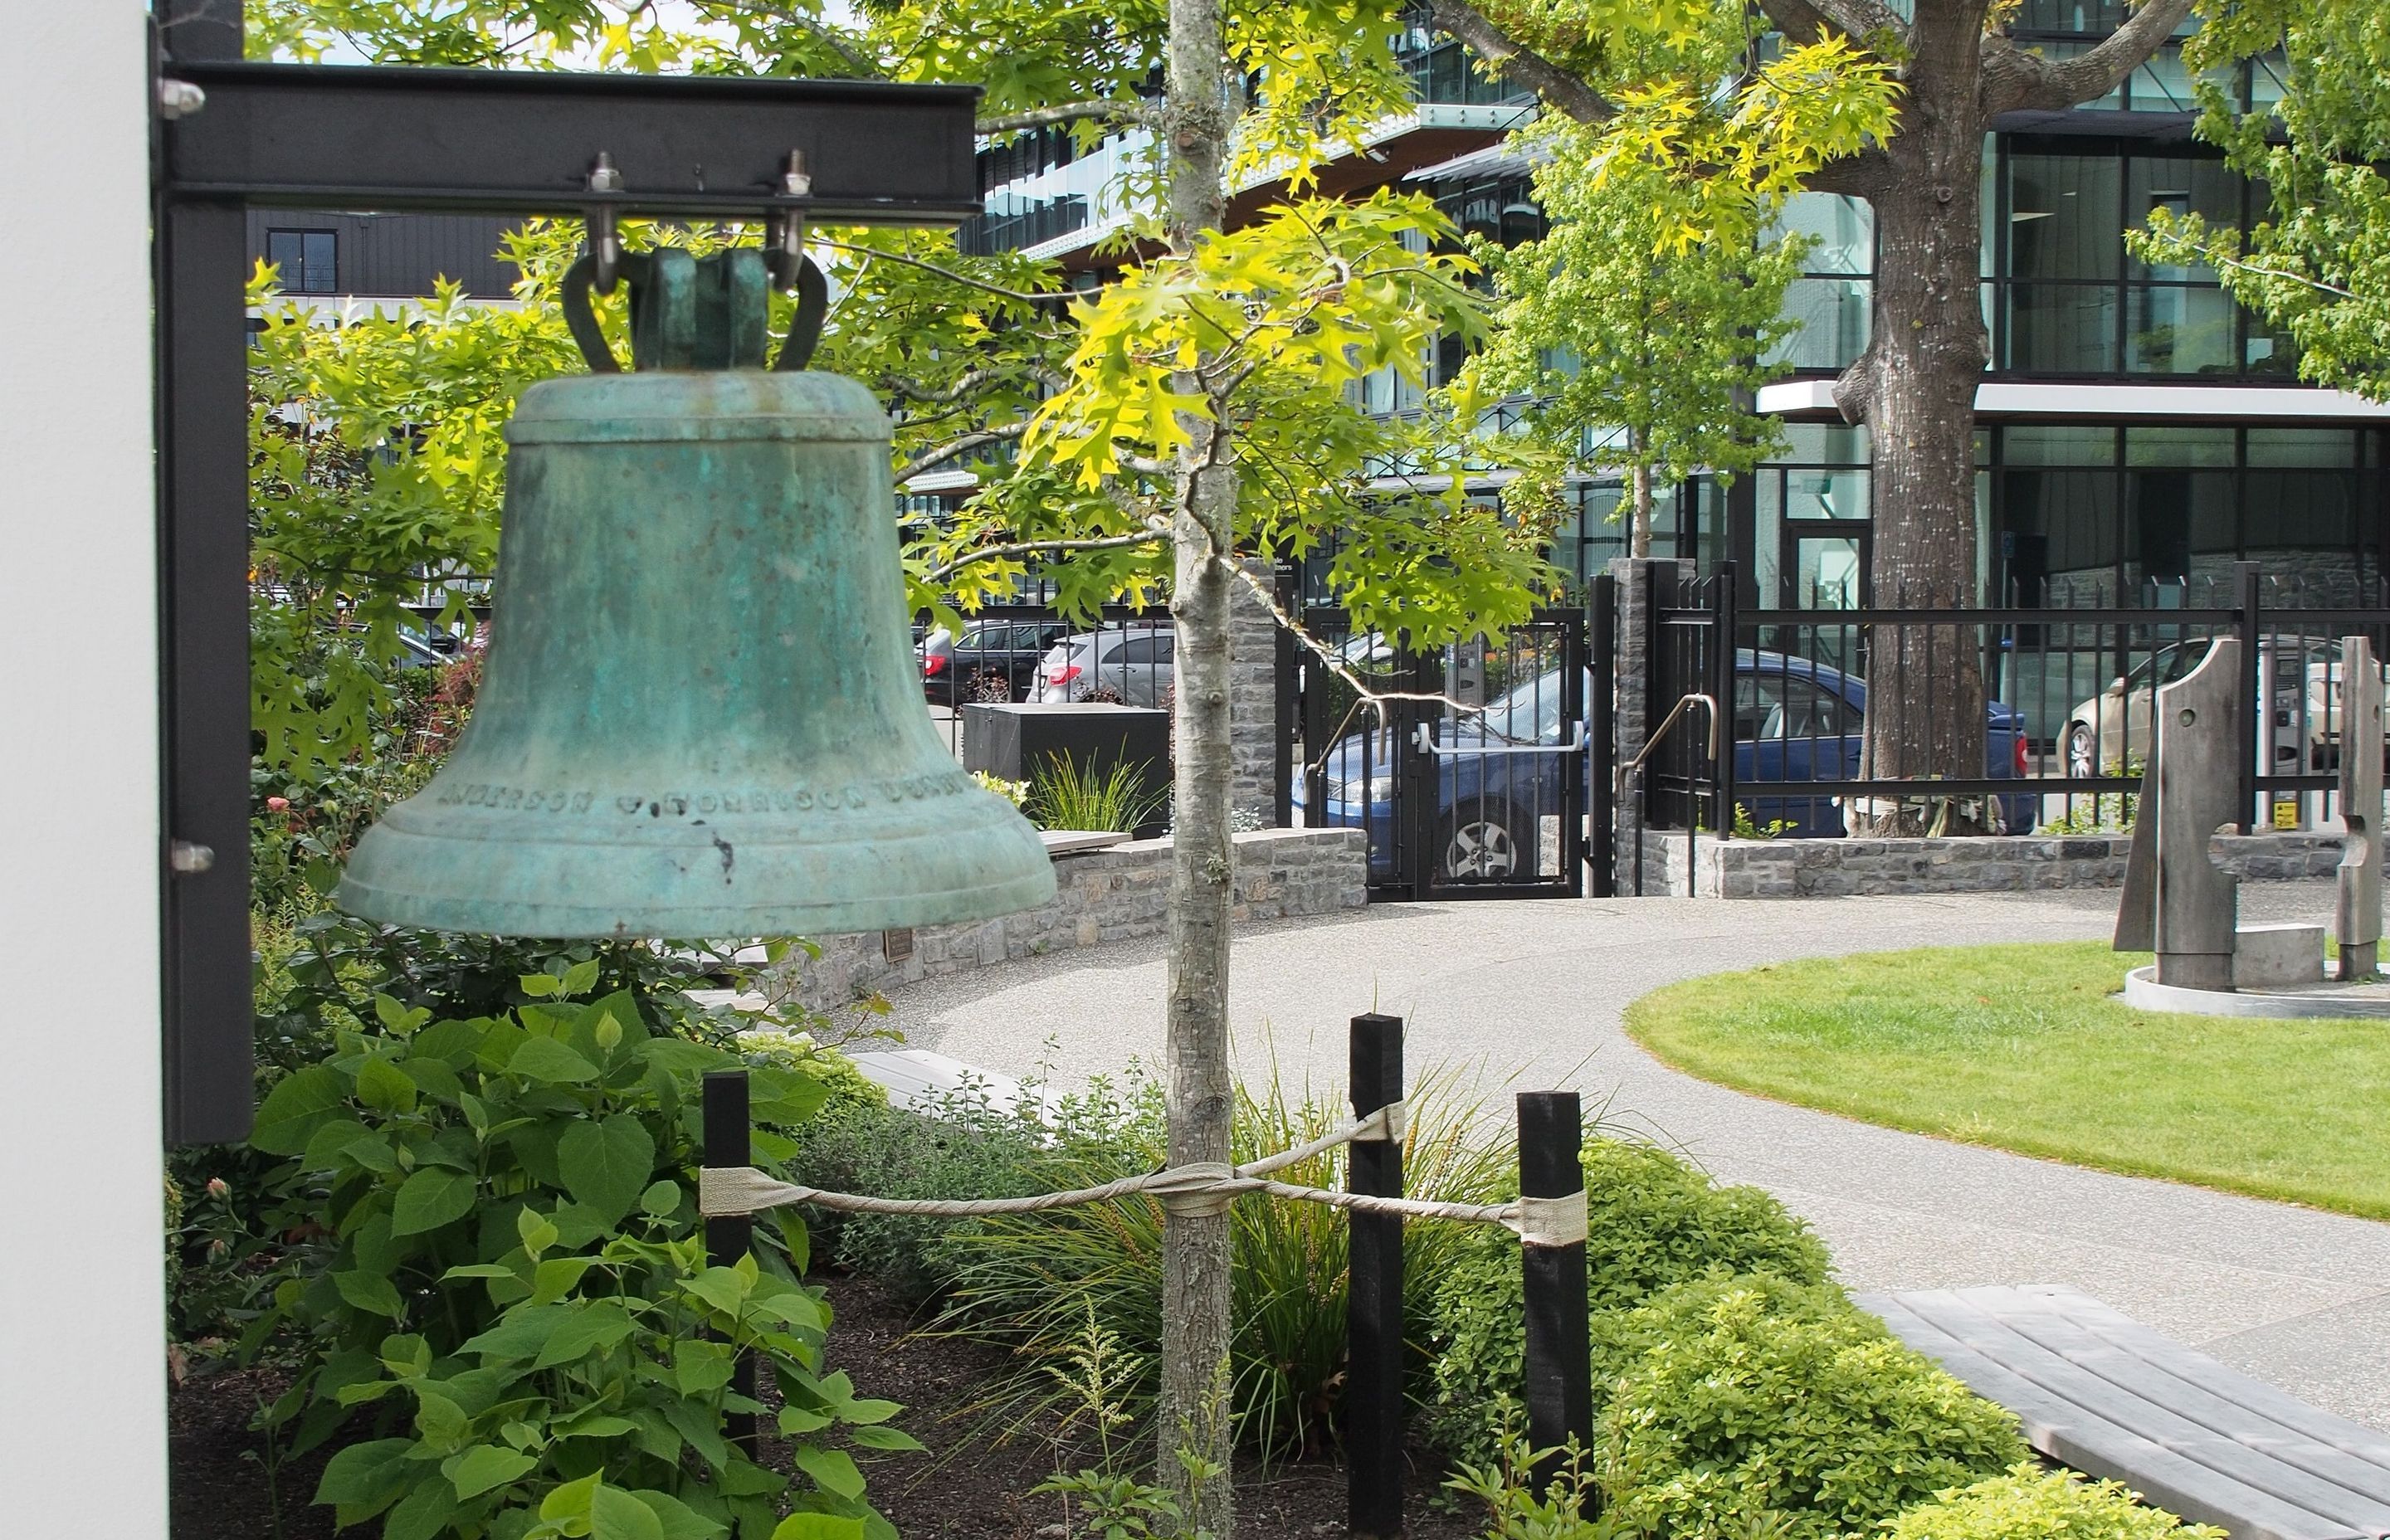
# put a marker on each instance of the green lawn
(2021, 1047)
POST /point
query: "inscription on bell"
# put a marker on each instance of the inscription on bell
(682, 804)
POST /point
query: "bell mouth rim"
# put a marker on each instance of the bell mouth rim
(774, 917)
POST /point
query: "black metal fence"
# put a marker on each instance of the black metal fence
(2032, 717)
(1468, 765)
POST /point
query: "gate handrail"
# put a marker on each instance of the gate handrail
(1634, 767)
(1425, 739)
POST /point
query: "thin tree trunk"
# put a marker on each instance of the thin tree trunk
(1199, 1093)
(1640, 481)
(1915, 390)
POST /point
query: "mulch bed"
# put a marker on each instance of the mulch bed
(973, 1486)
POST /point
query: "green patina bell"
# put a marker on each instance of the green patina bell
(700, 714)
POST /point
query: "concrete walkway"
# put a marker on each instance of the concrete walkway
(1527, 995)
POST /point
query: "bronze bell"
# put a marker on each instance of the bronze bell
(699, 717)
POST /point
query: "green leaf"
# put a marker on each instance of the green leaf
(680, 1521)
(702, 1369)
(539, 986)
(484, 1467)
(586, 1330)
(571, 1500)
(819, 1526)
(615, 1514)
(556, 1277)
(422, 1514)
(327, 1145)
(660, 1198)
(698, 1425)
(606, 1164)
(385, 1087)
(834, 1469)
(431, 1198)
(726, 1288)
(370, 1292)
(537, 1234)
(363, 1472)
(542, 1059)
(298, 1105)
(580, 976)
(879, 1437)
(440, 1421)
(521, 1332)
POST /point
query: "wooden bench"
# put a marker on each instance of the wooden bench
(2099, 1392)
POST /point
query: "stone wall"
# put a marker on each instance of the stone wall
(1116, 893)
(1832, 868)
(1252, 701)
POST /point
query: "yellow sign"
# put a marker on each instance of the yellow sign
(2286, 813)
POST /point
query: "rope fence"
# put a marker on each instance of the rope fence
(1549, 1217)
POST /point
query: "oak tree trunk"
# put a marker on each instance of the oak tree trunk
(1639, 544)
(1915, 390)
(1200, 1091)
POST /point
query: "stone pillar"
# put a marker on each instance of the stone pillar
(1253, 703)
(1632, 688)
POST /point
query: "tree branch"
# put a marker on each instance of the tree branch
(1519, 64)
(972, 379)
(954, 448)
(1048, 547)
(1100, 111)
(1865, 174)
(876, 254)
(1808, 21)
(864, 68)
(2015, 80)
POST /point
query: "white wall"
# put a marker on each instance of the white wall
(83, 1441)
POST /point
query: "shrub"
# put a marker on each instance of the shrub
(1651, 1220)
(479, 1221)
(1754, 1395)
(2029, 1504)
(1029, 1282)
(1064, 794)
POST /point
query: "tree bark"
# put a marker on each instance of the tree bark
(1639, 540)
(1200, 1092)
(1915, 390)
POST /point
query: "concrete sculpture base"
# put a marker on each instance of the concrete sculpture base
(2365, 1001)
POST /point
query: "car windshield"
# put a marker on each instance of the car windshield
(1530, 713)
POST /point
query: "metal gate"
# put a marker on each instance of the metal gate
(1468, 767)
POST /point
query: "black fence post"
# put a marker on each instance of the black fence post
(729, 1237)
(1373, 1300)
(1601, 753)
(2247, 593)
(1559, 1369)
(1723, 622)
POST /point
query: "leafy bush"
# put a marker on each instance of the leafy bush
(1751, 1396)
(1651, 1220)
(2028, 1504)
(480, 1223)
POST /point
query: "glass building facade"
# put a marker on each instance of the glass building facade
(2140, 432)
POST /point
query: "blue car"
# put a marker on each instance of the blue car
(1499, 773)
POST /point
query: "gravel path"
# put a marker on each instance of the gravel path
(1527, 995)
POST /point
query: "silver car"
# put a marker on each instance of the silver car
(1129, 664)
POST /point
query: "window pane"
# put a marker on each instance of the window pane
(1842, 231)
(2063, 214)
(317, 249)
(2043, 445)
(1824, 443)
(2182, 527)
(2181, 186)
(2186, 330)
(1833, 314)
(2066, 520)
(2301, 447)
(2179, 447)
(282, 251)
(2068, 329)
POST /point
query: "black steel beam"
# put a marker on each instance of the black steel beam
(364, 137)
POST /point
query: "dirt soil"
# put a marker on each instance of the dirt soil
(974, 1486)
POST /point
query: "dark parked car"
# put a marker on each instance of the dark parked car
(990, 661)
(1794, 721)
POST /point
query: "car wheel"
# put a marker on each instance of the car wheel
(2082, 753)
(1488, 845)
